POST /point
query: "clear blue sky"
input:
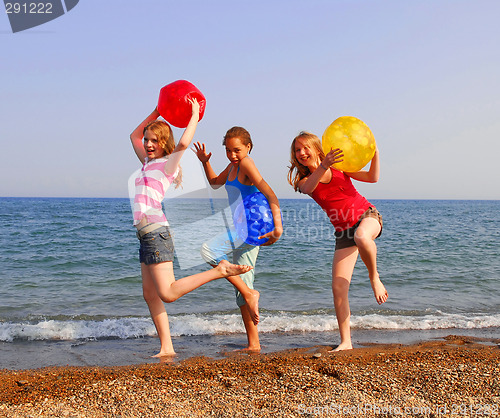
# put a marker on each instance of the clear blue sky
(424, 75)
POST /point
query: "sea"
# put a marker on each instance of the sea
(71, 285)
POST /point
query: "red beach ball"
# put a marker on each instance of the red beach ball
(173, 103)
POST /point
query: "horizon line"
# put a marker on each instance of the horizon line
(222, 198)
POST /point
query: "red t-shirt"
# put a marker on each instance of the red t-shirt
(340, 200)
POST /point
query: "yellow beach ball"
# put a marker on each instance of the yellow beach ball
(354, 138)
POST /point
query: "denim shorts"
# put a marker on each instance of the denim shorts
(156, 246)
(345, 238)
(227, 246)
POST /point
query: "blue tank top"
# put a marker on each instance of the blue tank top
(235, 190)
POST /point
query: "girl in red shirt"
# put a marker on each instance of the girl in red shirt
(357, 222)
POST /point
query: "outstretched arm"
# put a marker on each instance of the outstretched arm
(186, 138)
(137, 135)
(247, 166)
(213, 179)
(370, 176)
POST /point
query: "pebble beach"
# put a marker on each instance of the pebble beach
(453, 376)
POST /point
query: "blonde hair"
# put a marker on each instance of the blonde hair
(297, 171)
(166, 141)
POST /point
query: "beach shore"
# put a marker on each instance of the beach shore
(455, 376)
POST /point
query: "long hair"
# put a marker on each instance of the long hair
(297, 171)
(239, 132)
(166, 141)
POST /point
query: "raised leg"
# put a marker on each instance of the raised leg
(365, 235)
(169, 289)
(251, 297)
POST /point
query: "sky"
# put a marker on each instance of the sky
(423, 75)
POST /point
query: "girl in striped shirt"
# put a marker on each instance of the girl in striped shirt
(154, 145)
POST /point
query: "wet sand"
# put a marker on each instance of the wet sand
(455, 376)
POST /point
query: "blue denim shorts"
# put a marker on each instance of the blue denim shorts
(156, 246)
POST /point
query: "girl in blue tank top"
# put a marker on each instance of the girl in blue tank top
(236, 190)
(240, 178)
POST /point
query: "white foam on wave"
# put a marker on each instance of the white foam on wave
(437, 320)
(74, 330)
(196, 324)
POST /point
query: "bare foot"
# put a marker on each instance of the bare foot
(249, 350)
(342, 347)
(379, 290)
(165, 354)
(253, 306)
(227, 269)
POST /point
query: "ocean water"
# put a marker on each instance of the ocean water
(71, 286)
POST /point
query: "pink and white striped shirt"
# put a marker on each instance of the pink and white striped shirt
(150, 188)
